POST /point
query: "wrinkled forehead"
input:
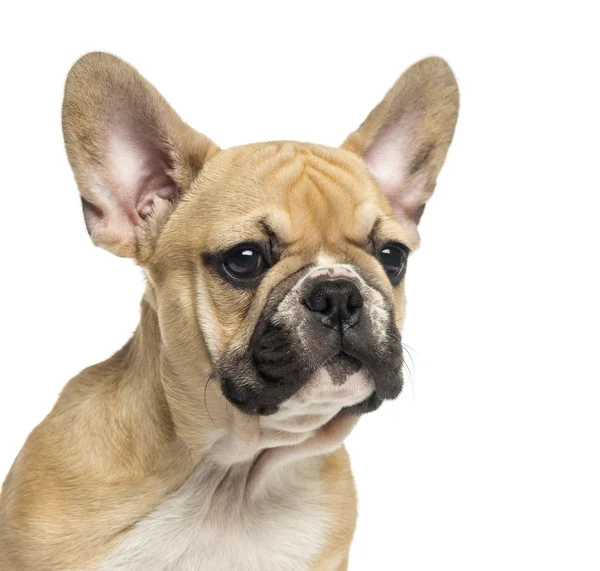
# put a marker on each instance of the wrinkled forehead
(311, 197)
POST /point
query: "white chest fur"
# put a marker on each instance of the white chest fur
(209, 524)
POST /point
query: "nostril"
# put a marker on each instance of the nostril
(318, 302)
(336, 301)
(355, 301)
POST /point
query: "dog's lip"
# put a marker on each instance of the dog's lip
(343, 356)
(250, 406)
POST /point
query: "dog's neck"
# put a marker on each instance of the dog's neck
(145, 365)
(200, 421)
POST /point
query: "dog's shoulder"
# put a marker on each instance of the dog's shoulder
(85, 472)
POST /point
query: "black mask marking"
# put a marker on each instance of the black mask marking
(341, 367)
(277, 362)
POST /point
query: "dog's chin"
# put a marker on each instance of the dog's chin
(341, 384)
(348, 380)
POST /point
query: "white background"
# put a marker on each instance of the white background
(490, 458)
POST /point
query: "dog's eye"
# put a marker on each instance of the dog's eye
(393, 259)
(244, 262)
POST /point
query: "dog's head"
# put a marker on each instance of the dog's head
(281, 264)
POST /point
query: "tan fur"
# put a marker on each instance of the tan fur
(127, 432)
(343, 505)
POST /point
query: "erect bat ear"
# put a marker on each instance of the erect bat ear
(404, 140)
(132, 155)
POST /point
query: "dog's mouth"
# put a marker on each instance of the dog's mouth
(343, 381)
(333, 371)
(342, 365)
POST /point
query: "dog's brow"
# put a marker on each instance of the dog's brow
(234, 234)
(272, 227)
(374, 228)
(370, 237)
(249, 230)
(268, 229)
(386, 230)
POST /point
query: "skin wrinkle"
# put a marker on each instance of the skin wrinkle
(277, 164)
(330, 202)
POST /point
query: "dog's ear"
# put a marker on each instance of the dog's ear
(404, 140)
(132, 155)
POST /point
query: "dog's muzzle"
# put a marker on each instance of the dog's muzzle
(327, 319)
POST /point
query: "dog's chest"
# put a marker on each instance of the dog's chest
(209, 525)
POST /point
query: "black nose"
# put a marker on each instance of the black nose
(336, 302)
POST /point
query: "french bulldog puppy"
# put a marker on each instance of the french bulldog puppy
(213, 440)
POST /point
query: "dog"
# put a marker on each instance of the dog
(271, 319)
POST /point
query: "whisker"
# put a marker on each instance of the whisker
(409, 367)
(409, 350)
(208, 380)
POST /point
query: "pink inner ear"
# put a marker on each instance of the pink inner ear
(386, 158)
(137, 170)
(386, 162)
(127, 184)
(389, 158)
(159, 185)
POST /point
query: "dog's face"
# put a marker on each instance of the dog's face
(281, 264)
(299, 266)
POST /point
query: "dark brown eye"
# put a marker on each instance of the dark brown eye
(244, 262)
(393, 259)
